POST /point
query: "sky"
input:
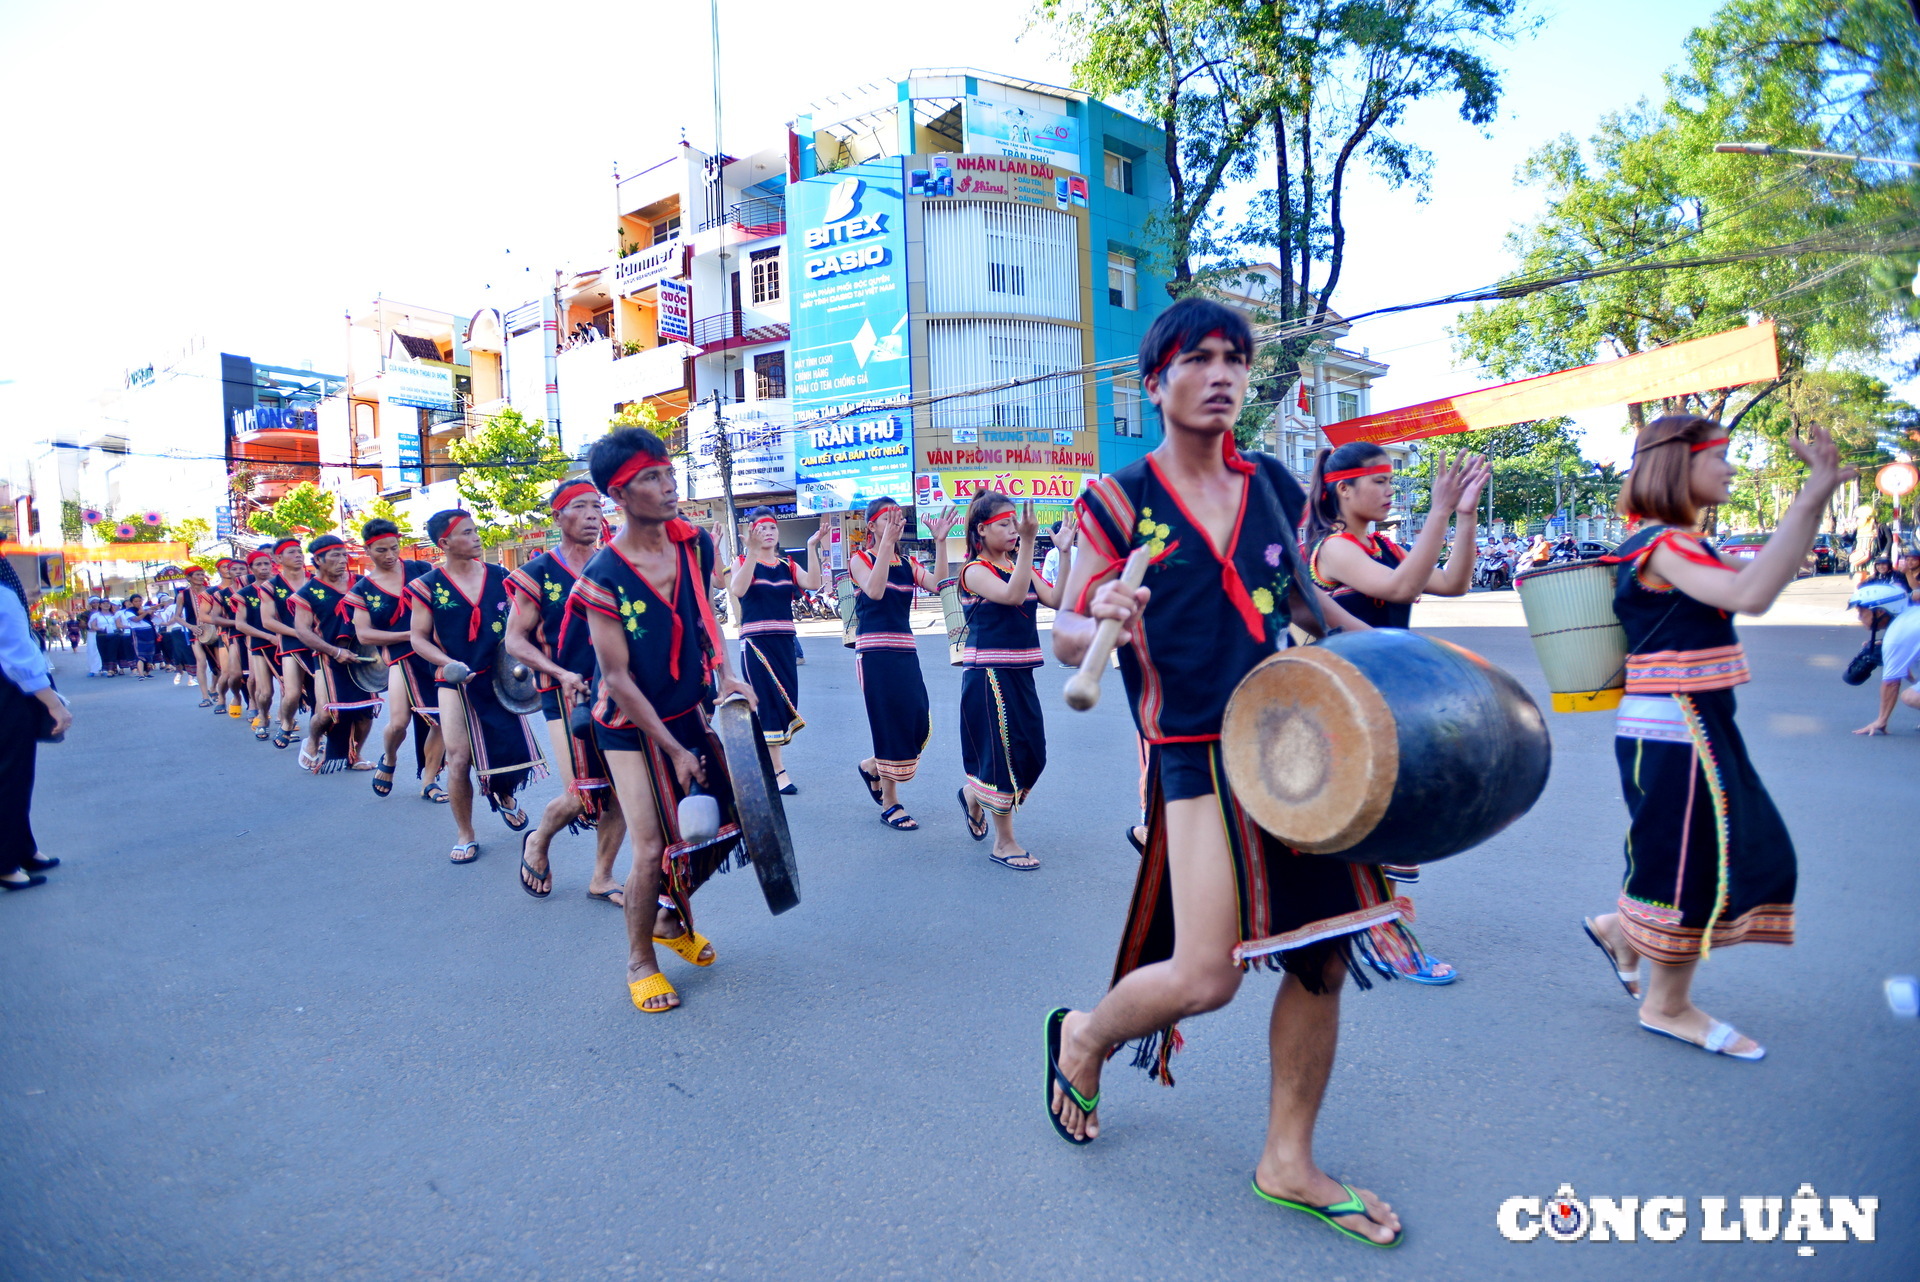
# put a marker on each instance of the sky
(248, 172)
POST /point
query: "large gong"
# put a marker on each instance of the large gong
(763, 819)
(369, 669)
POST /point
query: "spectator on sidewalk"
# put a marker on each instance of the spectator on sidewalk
(97, 644)
(1900, 656)
(29, 708)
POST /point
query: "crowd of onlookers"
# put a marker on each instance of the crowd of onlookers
(135, 636)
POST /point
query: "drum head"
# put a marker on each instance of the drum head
(370, 672)
(763, 819)
(1311, 749)
(514, 684)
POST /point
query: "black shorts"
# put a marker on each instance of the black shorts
(1186, 770)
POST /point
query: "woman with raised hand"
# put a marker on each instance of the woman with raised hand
(1377, 582)
(1709, 860)
(1003, 737)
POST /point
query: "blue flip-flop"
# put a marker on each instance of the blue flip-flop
(1427, 974)
(1352, 1206)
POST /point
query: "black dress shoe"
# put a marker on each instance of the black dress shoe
(37, 864)
(32, 881)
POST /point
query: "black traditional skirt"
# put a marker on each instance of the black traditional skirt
(1295, 911)
(179, 648)
(897, 710)
(1705, 846)
(506, 756)
(349, 706)
(1003, 737)
(769, 663)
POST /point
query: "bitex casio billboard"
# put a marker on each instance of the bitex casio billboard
(850, 378)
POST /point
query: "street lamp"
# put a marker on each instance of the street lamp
(1768, 149)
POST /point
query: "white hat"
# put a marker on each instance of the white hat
(1890, 597)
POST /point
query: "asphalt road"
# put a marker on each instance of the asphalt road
(258, 1027)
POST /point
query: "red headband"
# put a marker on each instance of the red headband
(1697, 446)
(1354, 473)
(568, 492)
(639, 463)
(1004, 516)
(763, 520)
(454, 524)
(259, 554)
(1174, 350)
(283, 544)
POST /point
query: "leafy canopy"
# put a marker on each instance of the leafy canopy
(508, 466)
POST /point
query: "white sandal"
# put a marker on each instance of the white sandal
(1719, 1037)
(1627, 978)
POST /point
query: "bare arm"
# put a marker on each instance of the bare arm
(741, 580)
(1053, 595)
(1889, 696)
(364, 629)
(303, 629)
(1344, 562)
(939, 527)
(424, 643)
(521, 622)
(809, 578)
(1012, 590)
(610, 648)
(1754, 587)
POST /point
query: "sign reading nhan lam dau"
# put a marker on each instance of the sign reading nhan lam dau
(850, 379)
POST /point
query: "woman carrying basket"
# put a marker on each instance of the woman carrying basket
(1709, 861)
(1003, 738)
(1377, 582)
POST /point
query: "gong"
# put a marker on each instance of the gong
(763, 820)
(369, 669)
(514, 684)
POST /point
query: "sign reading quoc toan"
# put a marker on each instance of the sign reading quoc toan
(849, 375)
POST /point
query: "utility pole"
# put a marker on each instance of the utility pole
(723, 459)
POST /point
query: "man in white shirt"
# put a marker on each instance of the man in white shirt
(1900, 657)
(95, 626)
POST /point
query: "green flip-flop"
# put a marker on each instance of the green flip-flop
(1352, 1206)
(1056, 1021)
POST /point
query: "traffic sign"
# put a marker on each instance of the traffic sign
(1896, 480)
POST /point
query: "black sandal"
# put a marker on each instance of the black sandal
(385, 768)
(872, 782)
(905, 823)
(508, 817)
(1135, 842)
(1056, 1022)
(281, 738)
(435, 793)
(527, 872)
(787, 789)
(980, 833)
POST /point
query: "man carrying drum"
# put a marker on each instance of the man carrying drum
(657, 644)
(1215, 895)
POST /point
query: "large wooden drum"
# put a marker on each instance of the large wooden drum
(1384, 747)
(1579, 640)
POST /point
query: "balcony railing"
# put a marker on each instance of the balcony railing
(758, 217)
(724, 330)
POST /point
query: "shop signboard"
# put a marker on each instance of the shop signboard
(1022, 133)
(675, 311)
(417, 383)
(410, 469)
(646, 267)
(959, 487)
(761, 439)
(850, 377)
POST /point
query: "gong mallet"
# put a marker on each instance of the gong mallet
(1083, 687)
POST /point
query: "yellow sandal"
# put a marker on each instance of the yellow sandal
(688, 945)
(645, 990)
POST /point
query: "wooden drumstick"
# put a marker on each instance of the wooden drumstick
(1083, 687)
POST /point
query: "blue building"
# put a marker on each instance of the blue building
(961, 246)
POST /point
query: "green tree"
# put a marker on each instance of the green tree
(191, 530)
(508, 466)
(384, 510)
(71, 526)
(1534, 465)
(108, 529)
(304, 507)
(1648, 186)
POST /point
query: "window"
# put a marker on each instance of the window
(1349, 403)
(740, 384)
(1005, 278)
(770, 377)
(666, 229)
(1121, 277)
(1119, 173)
(1126, 408)
(766, 275)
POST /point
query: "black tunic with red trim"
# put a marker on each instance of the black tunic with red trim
(766, 648)
(250, 606)
(333, 621)
(388, 612)
(277, 600)
(1709, 860)
(1003, 734)
(672, 641)
(899, 715)
(1211, 618)
(505, 753)
(1369, 610)
(545, 583)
